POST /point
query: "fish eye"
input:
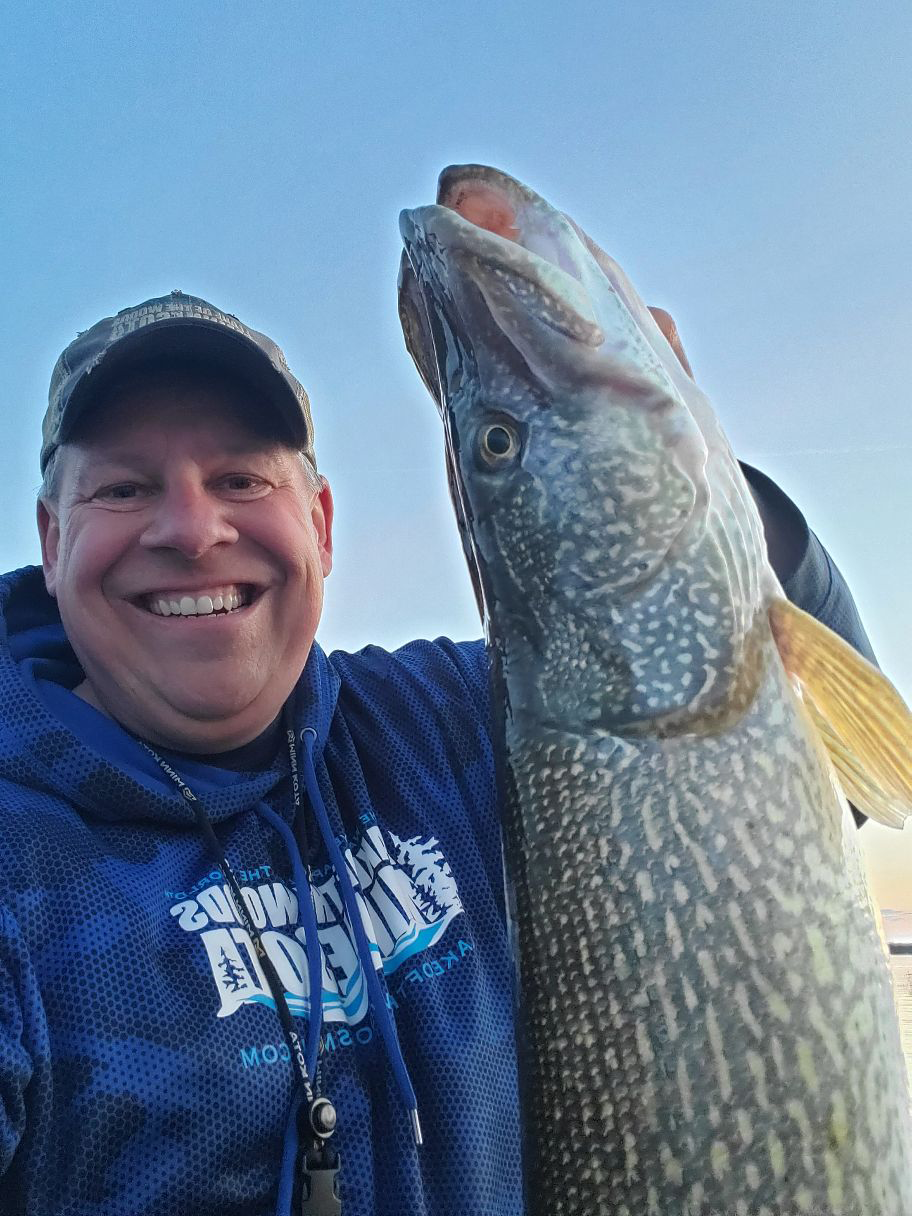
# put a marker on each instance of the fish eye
(498, 442)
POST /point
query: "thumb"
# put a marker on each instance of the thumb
(665, 322)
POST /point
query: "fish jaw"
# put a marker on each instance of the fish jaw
(585, 534)
(632, 339)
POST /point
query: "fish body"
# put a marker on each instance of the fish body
(706, 1018)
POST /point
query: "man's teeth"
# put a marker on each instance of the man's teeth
(197, 605)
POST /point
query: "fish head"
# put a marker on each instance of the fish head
(580, 452)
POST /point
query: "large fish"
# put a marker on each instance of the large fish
(706, 1013)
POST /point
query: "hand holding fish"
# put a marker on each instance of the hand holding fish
(707, 1018)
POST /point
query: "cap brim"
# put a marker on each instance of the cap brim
(201, 342)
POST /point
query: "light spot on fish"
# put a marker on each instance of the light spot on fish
(740, 929)
(799, 1115)
(621, 966)
(644, 1047)
(685, 1090)
(709, 652)
(702, 861)
(690, 997)
(778, 1007)
(739, 881)
(644, 886)
(653, 836)
(631, 1157)
(791, 902)
(719, 1159)
(717, 1046)
(704, 916)
(782, 945)
(682, 895)
(742, 835)
(741, 1000)
(757, 1067)
(673, 936)
(839, 1121)
(804, 1199)
(776, 1155)
(708, 967)
(775, 1048)
(671, 1166)
(745, 1128)
(752, 1175)
(823, 967)
(785, 846)
(806, 1065)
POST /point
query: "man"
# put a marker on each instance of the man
(220, 844)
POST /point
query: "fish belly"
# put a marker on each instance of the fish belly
(705, 1007)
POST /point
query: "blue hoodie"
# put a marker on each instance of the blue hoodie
(143, 1070)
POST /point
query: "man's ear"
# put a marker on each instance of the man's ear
(49, 532)
(322, 516)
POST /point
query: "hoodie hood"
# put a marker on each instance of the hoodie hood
(52, 740)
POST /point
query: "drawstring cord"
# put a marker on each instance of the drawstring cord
(377, 996)
(311, 939)
(321, 1115)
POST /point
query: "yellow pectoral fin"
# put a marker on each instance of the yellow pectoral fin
(865, 725)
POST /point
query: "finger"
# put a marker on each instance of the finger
(665, 322)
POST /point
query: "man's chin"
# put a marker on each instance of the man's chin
(201, 720)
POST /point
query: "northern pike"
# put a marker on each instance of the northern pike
(706, 1018)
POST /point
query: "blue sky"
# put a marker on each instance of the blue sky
(747, 163)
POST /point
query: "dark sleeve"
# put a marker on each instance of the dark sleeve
(809, 576)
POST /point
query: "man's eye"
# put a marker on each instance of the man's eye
(241, 482)
(120, 492)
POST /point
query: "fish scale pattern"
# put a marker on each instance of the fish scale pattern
(715, 1025)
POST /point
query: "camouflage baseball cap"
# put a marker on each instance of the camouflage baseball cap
(176, 325)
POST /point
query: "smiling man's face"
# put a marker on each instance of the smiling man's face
(187, 551)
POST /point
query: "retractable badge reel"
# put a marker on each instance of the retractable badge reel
(320, 1163)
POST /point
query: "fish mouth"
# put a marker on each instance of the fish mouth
(473, 188)
(499, 204)
(499, 235)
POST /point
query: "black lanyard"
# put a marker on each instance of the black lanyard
(319, 1163)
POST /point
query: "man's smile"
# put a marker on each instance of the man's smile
(205, 601)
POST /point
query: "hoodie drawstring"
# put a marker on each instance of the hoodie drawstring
(320, 1120)
(311, 940)
(376, 995)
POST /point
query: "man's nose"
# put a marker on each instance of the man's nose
(190, 520)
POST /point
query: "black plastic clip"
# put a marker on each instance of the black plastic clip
(319, 1183)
